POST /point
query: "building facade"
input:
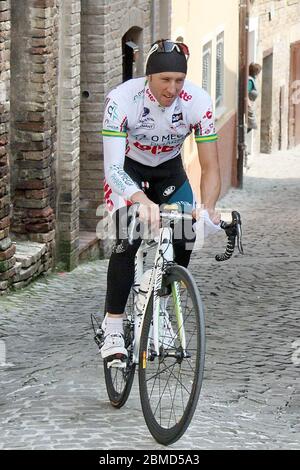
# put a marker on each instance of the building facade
(213, 40)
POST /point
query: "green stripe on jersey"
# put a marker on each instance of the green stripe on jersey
(206, 138)
(108, 133)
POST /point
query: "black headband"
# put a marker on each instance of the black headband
(166, 62)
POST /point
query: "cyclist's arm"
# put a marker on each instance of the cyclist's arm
(115, 175)
(210, 177)
(206, 139)
(114, 134)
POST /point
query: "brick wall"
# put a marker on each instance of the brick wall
(7, 249)
(33, 118)
(29, 210)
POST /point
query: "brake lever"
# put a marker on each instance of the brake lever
(239, 240)
(234, 234)
(236, 218)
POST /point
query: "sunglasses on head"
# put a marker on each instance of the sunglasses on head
(169, 46)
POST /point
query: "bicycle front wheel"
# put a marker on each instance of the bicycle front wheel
(170, 382)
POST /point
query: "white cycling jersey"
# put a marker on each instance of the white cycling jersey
(136, 126)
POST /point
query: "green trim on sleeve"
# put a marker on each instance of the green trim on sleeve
(108, 133)
(206, 138)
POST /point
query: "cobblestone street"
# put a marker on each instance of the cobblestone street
(52, 386)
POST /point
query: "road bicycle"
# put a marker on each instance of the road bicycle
(164, 330)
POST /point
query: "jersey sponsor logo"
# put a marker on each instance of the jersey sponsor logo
(185, 96)
(169, 190)
(109, 126)
(177, 117)
(146, 112)
(138, 96)
(146, 123)
(112, 111)
(176, 127)
(208, 115)
(150, 96)
(107, 194)
(120, 176)
(170, 139)
(154, 149)
(141, 137)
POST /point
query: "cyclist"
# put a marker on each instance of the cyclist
(146, 121)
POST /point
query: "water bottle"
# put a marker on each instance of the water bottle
(141, 300)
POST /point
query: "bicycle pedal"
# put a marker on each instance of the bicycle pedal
(98, 338)
(116, 363)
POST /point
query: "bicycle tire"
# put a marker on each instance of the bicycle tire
(156, 408)
(119, 381)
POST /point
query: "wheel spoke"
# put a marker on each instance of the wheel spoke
(158, 374)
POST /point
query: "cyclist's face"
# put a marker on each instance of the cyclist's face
(166, 86)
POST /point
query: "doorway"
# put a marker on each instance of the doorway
(131, 57)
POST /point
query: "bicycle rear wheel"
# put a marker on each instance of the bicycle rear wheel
(170, 383)
(119, 380)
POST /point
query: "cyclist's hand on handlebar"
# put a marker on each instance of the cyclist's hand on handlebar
(149, 215)
(148, 211)
(214, 216)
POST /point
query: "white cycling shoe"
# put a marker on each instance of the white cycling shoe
(113, 350)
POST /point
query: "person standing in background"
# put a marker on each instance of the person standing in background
(254, 70)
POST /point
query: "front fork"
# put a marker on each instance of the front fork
(179, 315)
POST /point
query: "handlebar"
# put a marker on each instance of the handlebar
(233, 229)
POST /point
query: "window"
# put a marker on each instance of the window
(220, 70)
(206, 67)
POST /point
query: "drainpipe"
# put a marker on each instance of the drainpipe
(242, 88)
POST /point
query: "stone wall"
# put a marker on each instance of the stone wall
(28, 206)
(33, 117)
(7, 249)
